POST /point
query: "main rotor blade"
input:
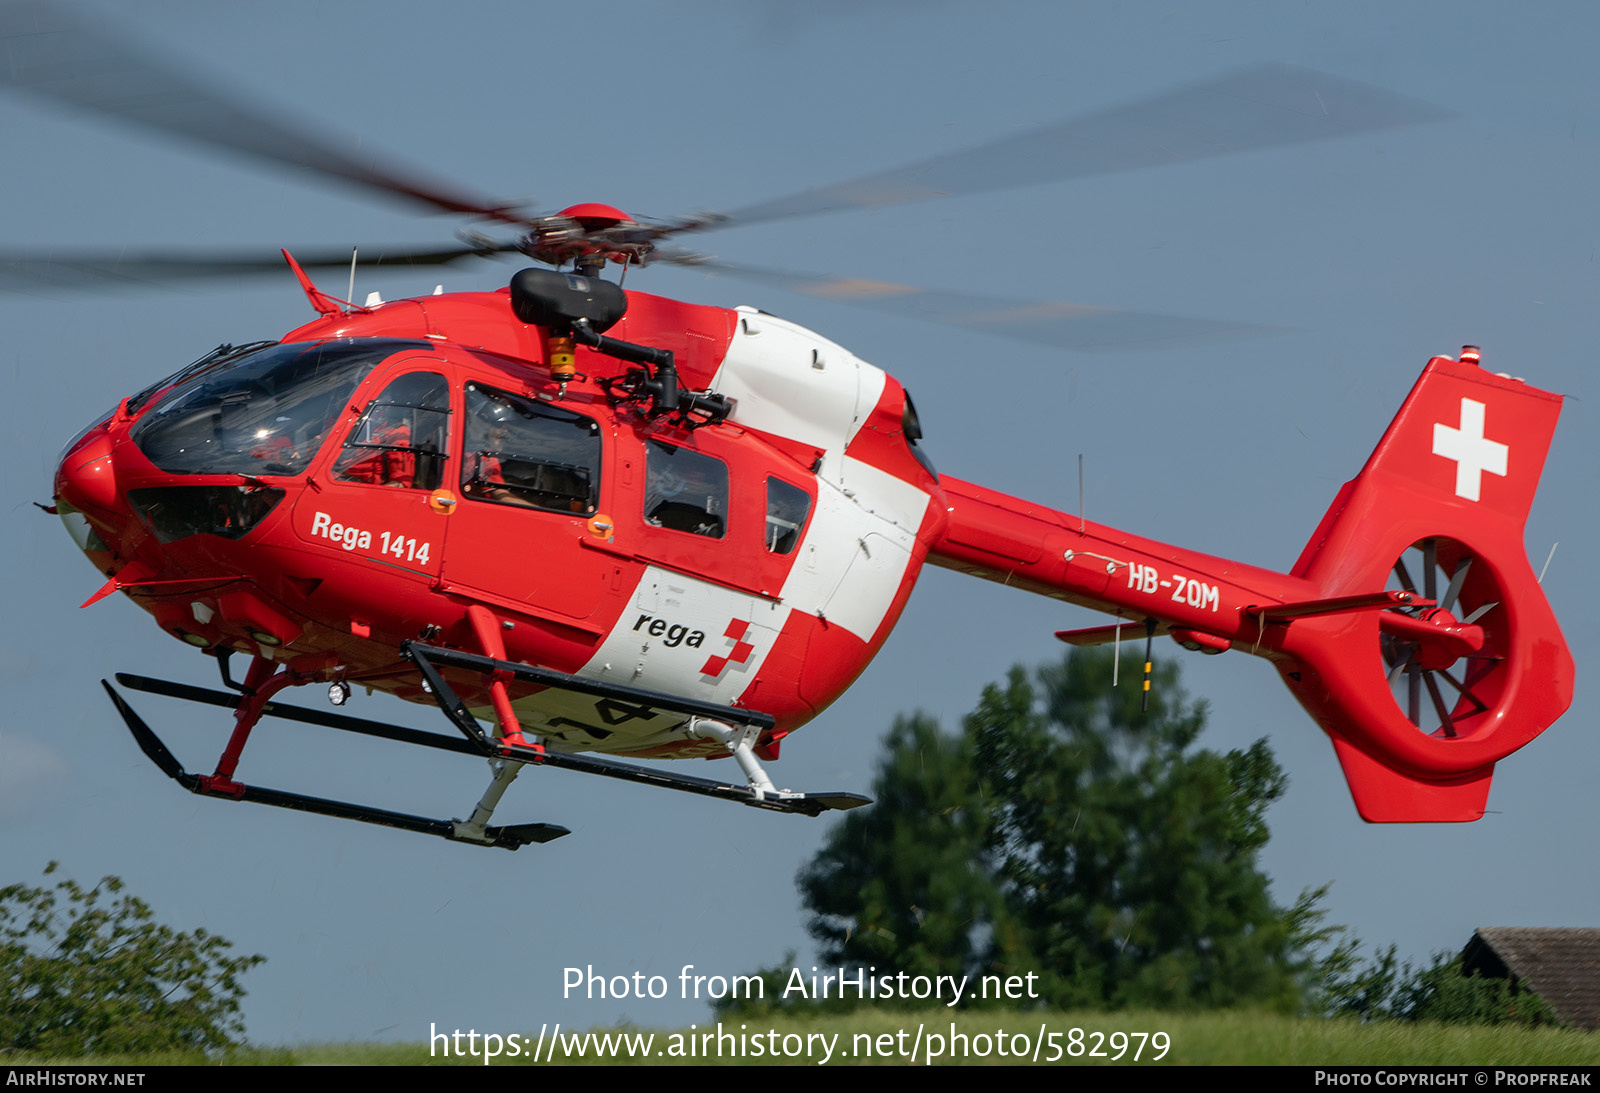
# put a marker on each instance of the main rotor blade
(21, 271)
(44, 51)
(1054, 324)
(1240, 111)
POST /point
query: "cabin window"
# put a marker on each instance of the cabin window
(685, 491)
(521, 451)
(787, 509)
(400, 440)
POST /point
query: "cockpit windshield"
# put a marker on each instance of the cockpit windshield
(264, 413)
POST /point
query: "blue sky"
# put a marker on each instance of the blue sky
(1372, 253)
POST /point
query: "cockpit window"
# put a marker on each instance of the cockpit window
(217, 356)
(263, 413)
(400, 440)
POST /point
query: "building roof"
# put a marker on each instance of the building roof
(1560, 966)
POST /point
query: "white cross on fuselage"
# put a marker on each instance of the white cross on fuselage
(1473, 452)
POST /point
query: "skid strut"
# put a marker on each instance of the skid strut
(737, 729)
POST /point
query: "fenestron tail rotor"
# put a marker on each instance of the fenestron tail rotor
(1439, 657)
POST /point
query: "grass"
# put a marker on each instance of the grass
(1228, 1038)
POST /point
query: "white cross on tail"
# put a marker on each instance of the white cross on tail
(1473, 452)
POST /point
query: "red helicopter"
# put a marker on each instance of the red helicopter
(608, 523)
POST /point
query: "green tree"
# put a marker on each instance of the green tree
(90, 972)
(1069, 833)
(1383, 988)
(1127, 856)
(904, 885)
(1447, 993)
(1371, 991)
(1337, 982)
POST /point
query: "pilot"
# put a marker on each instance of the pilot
(389, 461)
(276, 451)
(488, 474)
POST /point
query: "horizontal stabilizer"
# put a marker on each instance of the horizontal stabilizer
(1131, 630)
(1333, 605)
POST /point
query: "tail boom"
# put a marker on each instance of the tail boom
(1025, 545)
(1470, 641)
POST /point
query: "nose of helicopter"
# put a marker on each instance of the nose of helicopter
(86, 478)
(85, 487)
(127, 525)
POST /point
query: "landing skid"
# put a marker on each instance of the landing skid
(737, 729)
(512, 837)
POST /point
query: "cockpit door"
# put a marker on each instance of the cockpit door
(385, 494)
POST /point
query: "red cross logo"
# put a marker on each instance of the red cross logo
(740, 653)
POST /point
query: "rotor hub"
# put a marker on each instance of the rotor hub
(593, 215)
(589, 235)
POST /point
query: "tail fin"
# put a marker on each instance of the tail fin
(1422, 701)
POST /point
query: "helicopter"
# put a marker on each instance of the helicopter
(611, 524)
